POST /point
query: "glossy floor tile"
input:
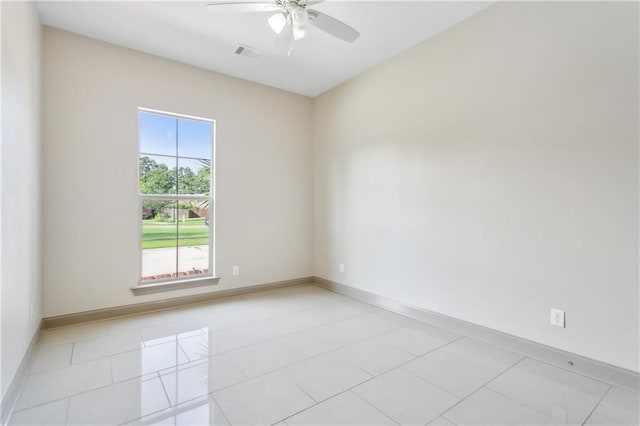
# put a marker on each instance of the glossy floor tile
(301, 355)
(482, 354)
(562, 395)
(344, 409)
(73, 333)
(51, 357)
(441, 421)
(618, 407)
(419, 338)
(99, 347)
(360, 354)
(199, 411)
(486, 407)
(63, 382)
(52, 413)
(263, 400)
(147, 360)
(406, 398)
(198, 347)
(170, 331)
(265, 357)
(325, 376)
(453, 374)
(119, 403)
(134, 323)
(199, 378)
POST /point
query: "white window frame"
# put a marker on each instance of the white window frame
(145, 287)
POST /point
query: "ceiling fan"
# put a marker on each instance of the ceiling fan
(290, 19)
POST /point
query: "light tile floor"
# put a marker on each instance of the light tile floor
(299, 356)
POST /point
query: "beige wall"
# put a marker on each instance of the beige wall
(491, 173)
(20, 183)
(90, 211)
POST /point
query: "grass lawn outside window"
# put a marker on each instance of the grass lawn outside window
(162, 234)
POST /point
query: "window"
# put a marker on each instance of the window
(175, 180)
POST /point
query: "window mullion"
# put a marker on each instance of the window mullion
(177, 209)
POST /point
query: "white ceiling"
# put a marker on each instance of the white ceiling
(187, 32)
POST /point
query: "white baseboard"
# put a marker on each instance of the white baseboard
(569, 361)
(15, 387)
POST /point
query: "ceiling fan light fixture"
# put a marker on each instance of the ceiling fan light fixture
(299, 16)
(277, 22)
(299, 32)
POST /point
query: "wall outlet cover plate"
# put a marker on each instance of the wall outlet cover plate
(557, 317)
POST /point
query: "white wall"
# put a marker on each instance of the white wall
(20, 182)
(92, 92)
(491, 173)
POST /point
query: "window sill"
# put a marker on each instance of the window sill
(173, 285)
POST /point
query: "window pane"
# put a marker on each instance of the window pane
(157, 133)
(194, 138)
(193, 238)
(194, 176)
(157, 174)
(159, 240)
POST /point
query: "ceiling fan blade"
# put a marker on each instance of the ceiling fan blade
(332, 26)
(284, 41)
(243, 7)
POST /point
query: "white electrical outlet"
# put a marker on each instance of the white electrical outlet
(342, 267)
(557, 317)
(236, 270)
